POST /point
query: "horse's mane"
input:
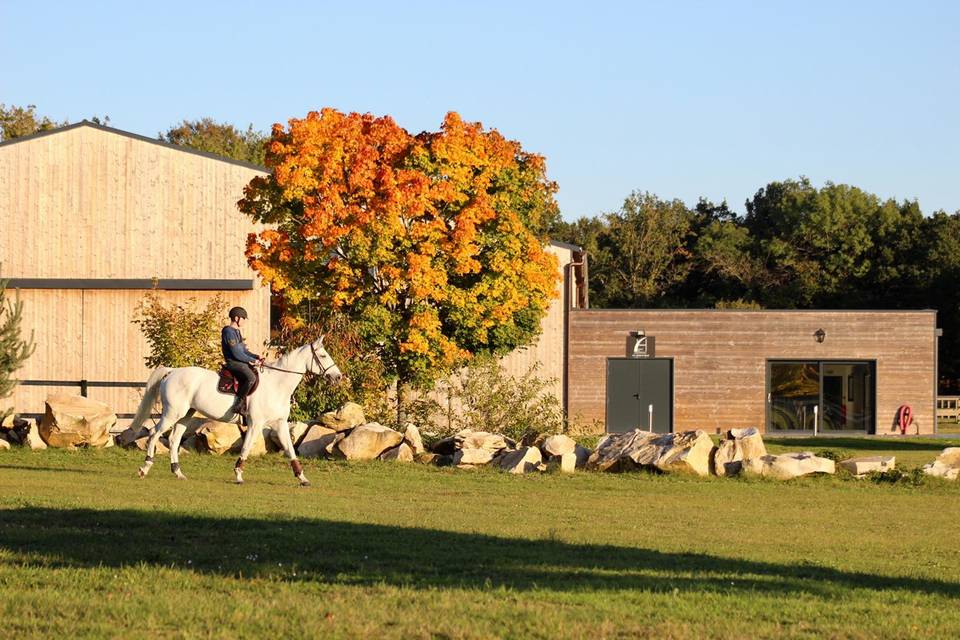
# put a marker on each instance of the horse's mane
(283, 362)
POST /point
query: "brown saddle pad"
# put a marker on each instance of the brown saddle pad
(228, 383)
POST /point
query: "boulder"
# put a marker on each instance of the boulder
(558, 445)
(297, 431)
(738, 445)
(523, 460)
(401, 453)
(582, 454)
(532, 438)
(411, 435)
(128, 437)
(75, 421)
(161, 448)
(687, 451)
(368, 441)
(443, 460)
(612, 449)
(426, 457)
(868, 464)
(788, 465)
(259, 445)
(33, 439)
(567, 463)
(445, 446)
(189, 443)
(947, 464)
(15, 429)
(218, 437)
(345, 418)
(318, 442)
(491, 442)
(472, 456)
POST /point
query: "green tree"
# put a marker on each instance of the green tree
(644, 251)
(16, 122)
(218, 138)
(14, 350)
(941, 261)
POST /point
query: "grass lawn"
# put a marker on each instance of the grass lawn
(405, 551)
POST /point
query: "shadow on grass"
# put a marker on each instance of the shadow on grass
(368, 554)
(868, 444)
(30, 467)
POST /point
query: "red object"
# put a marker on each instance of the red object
(904, 417)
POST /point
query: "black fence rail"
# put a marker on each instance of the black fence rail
(85, 386)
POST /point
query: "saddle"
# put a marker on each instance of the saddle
(229, 384)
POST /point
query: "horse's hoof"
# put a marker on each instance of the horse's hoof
(304, 483)
(141, 473)
(238, 481)
(180, 476)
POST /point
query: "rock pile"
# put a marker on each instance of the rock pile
(75, 421)
(17, 431)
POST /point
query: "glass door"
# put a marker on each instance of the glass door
(822, 396)
(794, 393)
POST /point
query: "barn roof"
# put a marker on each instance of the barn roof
(135, 136)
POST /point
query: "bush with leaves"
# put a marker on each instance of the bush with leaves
(365, 380)
(14, 351)
(490, 399)
(182, 335)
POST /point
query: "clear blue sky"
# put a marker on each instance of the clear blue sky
(682, 99)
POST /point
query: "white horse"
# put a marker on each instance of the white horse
(188, 390)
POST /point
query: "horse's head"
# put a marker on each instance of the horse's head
(322, 363)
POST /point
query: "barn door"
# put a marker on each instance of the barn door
(639, 394)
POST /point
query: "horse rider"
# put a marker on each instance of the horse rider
(239, 360)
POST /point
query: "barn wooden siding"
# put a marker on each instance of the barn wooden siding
(720, 359)
(90, 202)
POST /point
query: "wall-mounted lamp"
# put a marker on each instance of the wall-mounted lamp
(820, 335)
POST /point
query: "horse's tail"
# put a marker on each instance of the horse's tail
(149, 397)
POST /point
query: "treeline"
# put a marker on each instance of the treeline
(795, 247)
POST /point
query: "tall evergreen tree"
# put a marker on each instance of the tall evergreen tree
(14, 351)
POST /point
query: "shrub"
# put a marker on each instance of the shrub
(365, 380)
(182, 335)
(914, 477)
(490, 399)
(834, 454)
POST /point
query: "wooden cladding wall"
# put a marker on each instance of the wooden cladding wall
(720, 359)
(88, 203)
(548, 351)
(89, 335)
(91, 203)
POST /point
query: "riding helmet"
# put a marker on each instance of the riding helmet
(238, 312)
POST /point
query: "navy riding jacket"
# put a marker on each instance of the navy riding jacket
(231, 342)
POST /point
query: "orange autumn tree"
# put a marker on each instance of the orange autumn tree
(433, 245)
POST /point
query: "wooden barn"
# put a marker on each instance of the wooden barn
(94, 218)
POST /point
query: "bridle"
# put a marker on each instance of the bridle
(316, 358)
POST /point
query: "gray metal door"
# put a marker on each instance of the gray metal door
(639, 394)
